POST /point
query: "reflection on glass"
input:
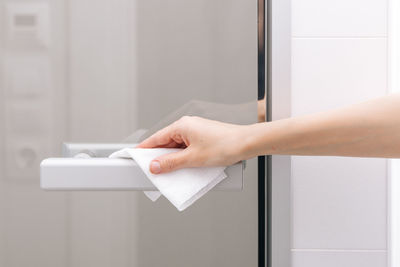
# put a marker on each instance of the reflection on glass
(97, 72)
(261, 110)
(244, 113)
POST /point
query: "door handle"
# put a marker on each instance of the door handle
(87, 167)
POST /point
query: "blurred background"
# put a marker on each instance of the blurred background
(97, 71)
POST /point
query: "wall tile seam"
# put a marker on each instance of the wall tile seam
(339, 250)
(376, 37)
(339, 37)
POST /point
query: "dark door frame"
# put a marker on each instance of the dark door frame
(264, 162)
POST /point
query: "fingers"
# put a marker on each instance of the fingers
(169, 136)
(172, 144)
(161, 138)
(170, 162)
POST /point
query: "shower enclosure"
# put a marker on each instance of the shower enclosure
(101, 71)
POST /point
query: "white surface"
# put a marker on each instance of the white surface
(339, 18)
(109, 174)
(339, 258)
(339, 203)
(281, 108)
(91, 174)
(181, 187)
(329, 73)
(98, 150)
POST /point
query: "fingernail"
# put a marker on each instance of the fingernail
(155, 167)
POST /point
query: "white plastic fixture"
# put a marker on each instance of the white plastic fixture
(86, 167)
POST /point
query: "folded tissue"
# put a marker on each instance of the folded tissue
(181, 187)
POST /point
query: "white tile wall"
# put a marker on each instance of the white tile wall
(328, 73)
(339, 18)
(338, 203)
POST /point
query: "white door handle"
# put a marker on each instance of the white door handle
(101, 173)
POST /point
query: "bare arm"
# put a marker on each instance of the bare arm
(369, 129)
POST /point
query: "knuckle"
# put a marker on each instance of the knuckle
(185, 118)
(182, 160)
(183, 122)
(169, 164)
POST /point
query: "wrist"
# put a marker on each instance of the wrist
(248, 141)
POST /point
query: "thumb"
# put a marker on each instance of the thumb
(169, 162)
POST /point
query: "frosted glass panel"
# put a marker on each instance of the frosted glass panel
(102, 71)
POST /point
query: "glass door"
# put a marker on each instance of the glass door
(102, 71)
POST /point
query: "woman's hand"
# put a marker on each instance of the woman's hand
(369, 129)
(205, 143)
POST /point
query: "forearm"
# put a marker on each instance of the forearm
(370, 129)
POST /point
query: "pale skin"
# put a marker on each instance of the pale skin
(369, 129)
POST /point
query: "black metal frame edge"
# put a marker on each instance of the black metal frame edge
(265, 162)
(262, 242)
(261, 213)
